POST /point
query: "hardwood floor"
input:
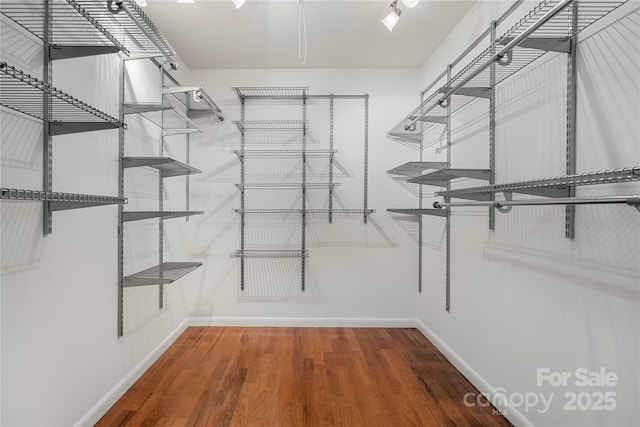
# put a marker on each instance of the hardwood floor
(285, 377)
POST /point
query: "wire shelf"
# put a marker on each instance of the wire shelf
(284, 92)
(285, 153)
(413, 169)
(442, 176)
(23, 93)
(432, 212)
(164, 115)
(195, 99)
(306, 211)
(552, 35)
(552, 187)
(60, 201)
(285, 185)
(162, 274)
(140, 215)
(90, 23)
(271, 125)
(168, 166)
(272, 253)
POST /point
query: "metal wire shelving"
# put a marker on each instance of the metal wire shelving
(272, 93)
(164, 115)
(271, 125)
(168, 166)
(548, 27)
(162, 274)
(269, 253)
(91, 24)
(285, 153)
(24, 93)
(285, 185)
(60, 201)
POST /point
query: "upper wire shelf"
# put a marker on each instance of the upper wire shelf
(120, 23)
(164, 115)
(266, 93)
(271, 125)
(285, 185)
(547, 27)
(24, 93)
(306, 211)
(60, 201)
(168, 166)
(550, 187)
(269, 253)
(285, 153)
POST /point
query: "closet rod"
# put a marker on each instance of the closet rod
(505, 205)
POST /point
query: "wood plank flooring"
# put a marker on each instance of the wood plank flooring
(285, 377)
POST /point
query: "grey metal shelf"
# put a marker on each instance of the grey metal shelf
(286, 185)
(90, 24)
(285, 153)
(140, 215)
(168, 166)
(271, 125)
(432, 212)
(196, 100)
(24, 93)
(414, 169)
(269, 253)
(550, 187)
(165, 115)
(60, 201)
(162, 274)
(306, 211)
(271, 93)
(547, 27)
(441, 177)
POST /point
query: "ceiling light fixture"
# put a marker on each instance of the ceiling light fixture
(410, 3)
(393, 17)
(185, 1)
(142, 3)
(238, 3)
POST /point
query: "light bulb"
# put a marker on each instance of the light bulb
(390, 20)
(142, 3)
(238, 3)
(410, 3)
(185, 1)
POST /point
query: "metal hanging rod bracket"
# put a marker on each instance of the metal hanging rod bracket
(633, 201)
(547, 44)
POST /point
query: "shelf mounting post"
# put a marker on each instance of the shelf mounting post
(492, 126)
(304, 185)
(572, 90)
(366, 155)
(242, 183)
(47, 148)
(120, 315)
(330, 158)
(448, 219)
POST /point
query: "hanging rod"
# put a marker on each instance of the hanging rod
(496, 57)
(505, 205)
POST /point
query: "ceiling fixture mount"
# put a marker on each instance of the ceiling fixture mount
(393, 17)
(238, 3)
(185, 1)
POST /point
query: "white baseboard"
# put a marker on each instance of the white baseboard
(305, 322)
(91, 417)
(511, 413)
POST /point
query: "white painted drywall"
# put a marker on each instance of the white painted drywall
(523, 297)
(60, 351)
(354, 270)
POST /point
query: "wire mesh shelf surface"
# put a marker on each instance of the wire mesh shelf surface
(164, 273)
(272, 125)
(283, 92)
(24, 93)
(90, 23)
(590, 178)
(306, 211)
(285, 185)
(285, 153)
(271, 253)
(168, 166)
(552, 34)
(52, 196)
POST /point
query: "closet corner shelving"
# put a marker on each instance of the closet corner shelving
(289, 95)
(174, 116)
(551, 26)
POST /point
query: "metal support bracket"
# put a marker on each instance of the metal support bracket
(547, 44)
(57, 52)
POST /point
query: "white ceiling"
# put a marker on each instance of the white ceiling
(213, 34)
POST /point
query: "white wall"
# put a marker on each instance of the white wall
(523, 297)
(354, 270)
(60, 351)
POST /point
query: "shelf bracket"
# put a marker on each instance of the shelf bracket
(474, 92)
(547, 44)
(64, 128)
(57, 52)
(508, 195)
